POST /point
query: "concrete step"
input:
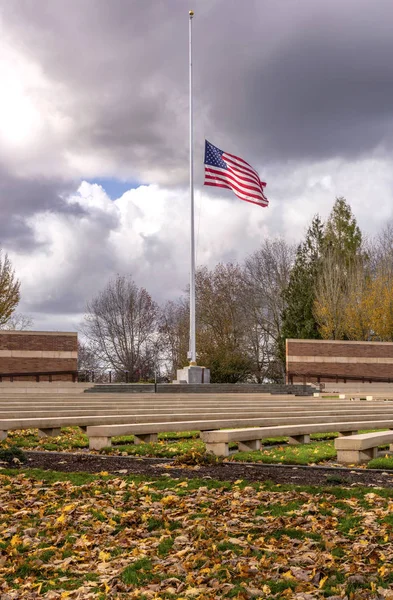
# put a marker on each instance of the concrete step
(215, 388)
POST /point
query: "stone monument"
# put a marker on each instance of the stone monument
(193, 374)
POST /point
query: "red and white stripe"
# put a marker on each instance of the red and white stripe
(240, 177)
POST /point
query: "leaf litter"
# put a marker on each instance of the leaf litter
(113, 537)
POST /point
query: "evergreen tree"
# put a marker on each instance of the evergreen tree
(342, 235)
(298, 317)
(342, 258)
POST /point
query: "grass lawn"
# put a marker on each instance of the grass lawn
(171, 445)
(100, 536)
(384, 462)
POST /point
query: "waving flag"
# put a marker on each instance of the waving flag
(231, 172)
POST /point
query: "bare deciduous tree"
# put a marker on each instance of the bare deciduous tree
(267, 273)
(121, 328)
(174, 335)
(18, 322)
(222, 323)
(87, 359)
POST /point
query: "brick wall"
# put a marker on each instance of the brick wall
(315, 360)
(38, 352)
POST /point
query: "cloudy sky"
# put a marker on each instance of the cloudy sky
(94, 134)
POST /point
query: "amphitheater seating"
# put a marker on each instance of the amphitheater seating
(249, 417)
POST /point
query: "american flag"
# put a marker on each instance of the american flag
(231, 172)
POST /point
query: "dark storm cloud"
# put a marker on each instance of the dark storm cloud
(21, 198)
(325, 90)
(294, 79)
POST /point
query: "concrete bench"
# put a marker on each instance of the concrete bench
(362, 447)
(34, 404)
(124, 424)
(249, 439)
(168, 415)
(151, 402)
(217, 419)
(68, 401)
(100, 436)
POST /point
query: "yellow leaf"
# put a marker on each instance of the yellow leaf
(69, 507)
(183, 484)
(288, 575)
(266, 589)
(15, 540)
(104, 556)
(104, 473)
(61, 519)
(238, 481)
(170, 499)
(322, 581)
(382, 570)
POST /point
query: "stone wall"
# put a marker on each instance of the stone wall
(38, 352)
(328, 360)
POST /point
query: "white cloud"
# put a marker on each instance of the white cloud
(81, 101)
(146, 233)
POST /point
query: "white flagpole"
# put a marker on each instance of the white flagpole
(192, 349)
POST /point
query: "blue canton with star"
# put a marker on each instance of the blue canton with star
(213, 156)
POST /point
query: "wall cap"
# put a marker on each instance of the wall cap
(29, 332)
(338, 342)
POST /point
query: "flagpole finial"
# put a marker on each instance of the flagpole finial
(191, 13)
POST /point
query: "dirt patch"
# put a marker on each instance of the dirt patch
(230, 471)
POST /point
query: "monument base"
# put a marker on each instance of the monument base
(193, 374)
